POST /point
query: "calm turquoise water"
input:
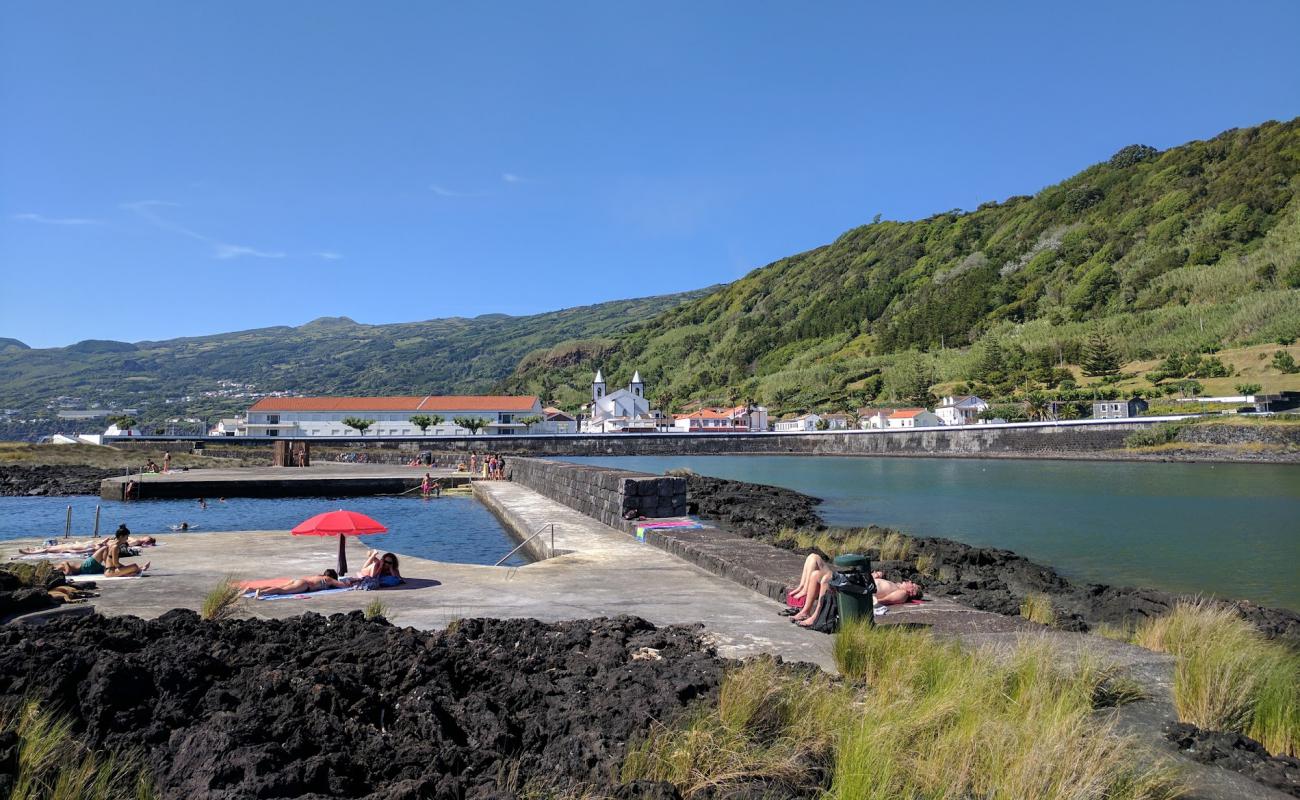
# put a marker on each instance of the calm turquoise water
(455, 529)
(1227, 529)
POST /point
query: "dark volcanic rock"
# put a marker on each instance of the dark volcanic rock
(753, 509)
(17, 480)
(344, 707)
(1237, 753)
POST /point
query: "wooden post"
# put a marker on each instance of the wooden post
(67, 525)
(96, 535)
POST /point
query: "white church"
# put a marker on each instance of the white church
(621, 411)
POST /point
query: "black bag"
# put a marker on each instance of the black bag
(828, 616)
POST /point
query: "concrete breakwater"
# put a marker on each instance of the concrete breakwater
(602, 493)
(329, 480)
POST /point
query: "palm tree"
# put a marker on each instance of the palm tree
(1037, 408)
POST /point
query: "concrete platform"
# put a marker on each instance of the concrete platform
(325, 479)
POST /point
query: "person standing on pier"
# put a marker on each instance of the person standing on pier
(167, 461)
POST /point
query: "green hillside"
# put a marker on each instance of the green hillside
(1187, 250)
(203, 375)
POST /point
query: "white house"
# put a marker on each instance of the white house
(913, 418)
(836, 422)
(710, 420)
(389, 416)
(807, 422)
(874, 418)
(114, 430)
(234, 426)
(752, 418)
(621, 411)
(961, 410)
(557, 422)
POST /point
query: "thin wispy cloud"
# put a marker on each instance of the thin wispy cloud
(148, 210)
(329, 255)
(44, 220)
(443, 191)
(510, 177)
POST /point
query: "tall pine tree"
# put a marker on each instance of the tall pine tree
(1100, 356)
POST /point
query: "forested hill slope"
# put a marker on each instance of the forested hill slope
(1190, 249)
(327, 356)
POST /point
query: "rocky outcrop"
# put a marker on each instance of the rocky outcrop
(751, 508)
(316, 707)
(19, 480)
(1237, 753)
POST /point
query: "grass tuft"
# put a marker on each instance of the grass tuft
(919, 717)
(53, 765)
(378, 608)
(1228, 676)
(1038, 608)
(220, 602)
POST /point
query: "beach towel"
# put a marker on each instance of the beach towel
(302, 596)
(263, 583)
(102, 579)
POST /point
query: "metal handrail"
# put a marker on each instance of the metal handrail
(537, 533)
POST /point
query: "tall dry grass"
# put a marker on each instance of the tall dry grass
(221, 600)
(1228, 676)
(53, 765)
(889, 545)
(917, 717)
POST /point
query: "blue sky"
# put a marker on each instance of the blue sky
(172, 169)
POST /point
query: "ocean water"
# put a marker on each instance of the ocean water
(449, 528)
(1231, 530)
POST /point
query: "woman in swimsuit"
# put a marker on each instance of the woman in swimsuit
(88, 546)
(381, 567)
(309, 583)
(106, 560)
(817, 577)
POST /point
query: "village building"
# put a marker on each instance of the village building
(874, 419)
(753, 418)
(961, 410)
(1118, 409)
(621, 411)
(836, 422)
(805, 422)
(913, 418)
(233, 426)
(389, 416)
(557, 422)
(710, 420)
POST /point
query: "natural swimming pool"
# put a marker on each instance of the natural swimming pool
(1227, 529)
(449, 528)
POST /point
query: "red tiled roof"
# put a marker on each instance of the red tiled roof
(704, 413)
(398, 403)
(906, 413)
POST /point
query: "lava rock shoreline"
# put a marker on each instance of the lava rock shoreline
(314, 707)
(986, 578)
(20, 480)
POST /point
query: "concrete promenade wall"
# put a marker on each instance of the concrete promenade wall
(602, 493)
(1063, 439)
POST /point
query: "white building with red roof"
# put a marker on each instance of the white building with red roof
(711, 420)
(390, 416)
(913, 418)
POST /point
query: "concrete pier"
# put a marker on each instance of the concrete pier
(326, 479)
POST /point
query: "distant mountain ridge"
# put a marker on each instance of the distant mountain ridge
(329, 355)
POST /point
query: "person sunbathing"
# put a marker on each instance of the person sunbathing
(86, 546)
(816, 579)
(304, 585)
(381, 567)
(104, 561)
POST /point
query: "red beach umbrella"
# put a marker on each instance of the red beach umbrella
(341, 524)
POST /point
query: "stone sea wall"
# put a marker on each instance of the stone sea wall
(602, 493)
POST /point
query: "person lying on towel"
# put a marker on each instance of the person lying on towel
(329, 579)
(381, 568)
(86, 546)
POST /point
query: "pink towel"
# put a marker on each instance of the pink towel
(264, 583)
